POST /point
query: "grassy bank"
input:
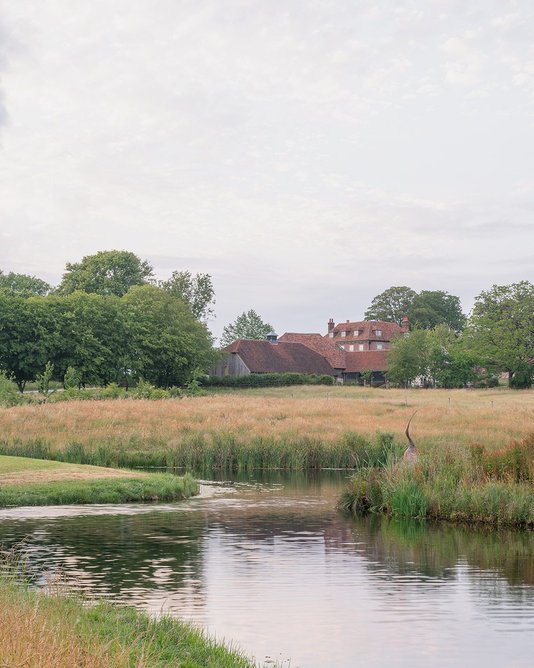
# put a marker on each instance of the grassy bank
(51, 631)
(298, 427)
(34, 482)
(471, 485)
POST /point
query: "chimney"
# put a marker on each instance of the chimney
(405, 324)
(331, 324)
(272, 337)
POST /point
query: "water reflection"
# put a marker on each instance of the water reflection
(268, 562)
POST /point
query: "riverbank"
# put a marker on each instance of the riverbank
(55, 631)
(35, 482)
(472, 486)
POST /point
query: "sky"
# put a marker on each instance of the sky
(306, 154)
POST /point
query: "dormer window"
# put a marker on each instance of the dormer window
(331, 335)
(343, 333)
(378, 332)
(356, 332)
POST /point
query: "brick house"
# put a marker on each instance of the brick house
(354, 348)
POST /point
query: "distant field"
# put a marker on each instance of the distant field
(492, 417)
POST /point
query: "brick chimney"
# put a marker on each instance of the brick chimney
(331, 324)
(405, 324)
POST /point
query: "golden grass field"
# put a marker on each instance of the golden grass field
(492, 417)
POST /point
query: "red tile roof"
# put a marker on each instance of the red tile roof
(369, 360)
(324, 346)
(264, 357)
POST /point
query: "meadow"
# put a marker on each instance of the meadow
(295, 427)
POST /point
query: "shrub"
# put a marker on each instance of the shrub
(9, 395)
(267, 380)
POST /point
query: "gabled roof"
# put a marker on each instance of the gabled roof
(369, 360)
(368, 328)
(325, 347)
(261, 356)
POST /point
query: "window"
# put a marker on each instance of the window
(378, 332)
(356, 332)
(343, 333)
(331, 335)
(351, 348)
(360, 346)
(379, 346)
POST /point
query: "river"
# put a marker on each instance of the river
(268, 563)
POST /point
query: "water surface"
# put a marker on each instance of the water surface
(267, 562)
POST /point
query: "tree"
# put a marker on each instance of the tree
(501, 330)
(430, 308)
(166, 344)
(195, 290)
(450, 363)
(23, 285)
(391, 305)
(407, 359)
(94, 338)
(106, 273)
(248, 325)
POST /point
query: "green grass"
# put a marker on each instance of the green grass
(125, 636)
(84, 486)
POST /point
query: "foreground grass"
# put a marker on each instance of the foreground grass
(35, 482)
(458, 485)
(297, 427)
(51, 631)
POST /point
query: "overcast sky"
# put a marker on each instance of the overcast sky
(306, 154)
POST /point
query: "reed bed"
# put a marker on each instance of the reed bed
(460, 485)
(301, 427)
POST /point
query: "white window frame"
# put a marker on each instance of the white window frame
(378, 332)
(361, 346)
(343, 333)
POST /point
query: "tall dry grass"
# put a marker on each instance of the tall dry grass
(32, 636)
(491, 417)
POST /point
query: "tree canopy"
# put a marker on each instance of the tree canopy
(195, 290)
(106, 273)
(501, 330)
(23, 285)
(425, 309)
(391, 305)
(248, 325)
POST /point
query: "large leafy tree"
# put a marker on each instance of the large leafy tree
(391, 305)
(23, 285)
(248, 325)
(29, 336)
(94, 339)
(501, 330)
(106, 273)
(408, 358)
(196, 290)
(166, 343)
(450, 363)
(430, 308)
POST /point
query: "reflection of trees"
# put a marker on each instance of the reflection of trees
(106, 554)
(435, 551)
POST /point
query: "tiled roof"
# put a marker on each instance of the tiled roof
(325, 347)
(367, 329)
(261, 356)
(369, 360)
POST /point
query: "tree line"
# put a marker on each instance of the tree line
(108, 321)
(497, 337)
